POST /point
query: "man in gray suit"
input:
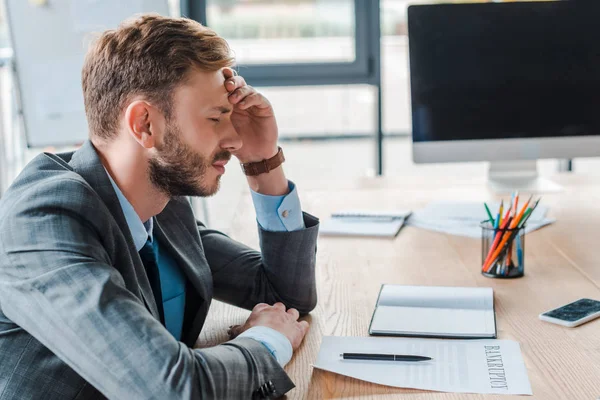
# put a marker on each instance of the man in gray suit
(105, 275)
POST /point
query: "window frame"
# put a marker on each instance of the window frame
(365, 69)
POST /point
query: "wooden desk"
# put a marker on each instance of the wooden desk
(561, 265)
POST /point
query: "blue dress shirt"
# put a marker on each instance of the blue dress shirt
(279, 213)
(273, 213)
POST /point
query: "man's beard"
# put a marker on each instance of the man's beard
(179, 171)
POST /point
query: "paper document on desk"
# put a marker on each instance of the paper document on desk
(364, 223)
(460, 366)
(464, 218)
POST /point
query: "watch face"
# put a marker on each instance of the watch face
(575, 311)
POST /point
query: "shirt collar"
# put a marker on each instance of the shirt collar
(140, 231)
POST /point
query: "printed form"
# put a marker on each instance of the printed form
(462, 366)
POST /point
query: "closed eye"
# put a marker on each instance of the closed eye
(215, 119)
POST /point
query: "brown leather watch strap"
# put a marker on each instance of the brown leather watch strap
(264, 166)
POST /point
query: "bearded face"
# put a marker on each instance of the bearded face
(178, 170)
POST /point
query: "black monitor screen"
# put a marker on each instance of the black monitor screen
(510, 70)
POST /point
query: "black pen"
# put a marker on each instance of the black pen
(382, 357)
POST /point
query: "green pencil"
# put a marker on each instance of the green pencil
(489, 213)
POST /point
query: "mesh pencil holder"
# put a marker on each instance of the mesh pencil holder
(502, 251)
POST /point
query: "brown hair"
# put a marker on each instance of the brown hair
(149, 55)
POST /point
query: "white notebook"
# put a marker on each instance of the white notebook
(364, 223)
(434, 311)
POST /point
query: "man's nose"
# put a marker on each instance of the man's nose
(230, 141)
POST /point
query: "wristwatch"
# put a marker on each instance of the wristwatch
(264, 166)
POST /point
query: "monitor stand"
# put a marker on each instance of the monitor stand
(505, 177)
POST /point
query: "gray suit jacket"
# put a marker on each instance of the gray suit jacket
(77, 316)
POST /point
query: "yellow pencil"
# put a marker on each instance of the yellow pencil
(500, 212)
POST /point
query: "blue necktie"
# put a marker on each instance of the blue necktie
(150, 261)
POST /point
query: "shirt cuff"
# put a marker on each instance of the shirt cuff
(276, 342)
(279, 213)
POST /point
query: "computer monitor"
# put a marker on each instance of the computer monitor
(508, 83)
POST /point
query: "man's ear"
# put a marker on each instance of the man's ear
(144, 123)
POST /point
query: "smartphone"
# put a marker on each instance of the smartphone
(573, 314)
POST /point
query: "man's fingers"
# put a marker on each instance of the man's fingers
(254, 100)
(260, 306)
(229, 72)
(294, 313)
(234, 83)
(279, 306)
(240, 94)
(304, 326)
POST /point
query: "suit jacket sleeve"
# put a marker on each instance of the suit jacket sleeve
(284, 269)
(58, 284)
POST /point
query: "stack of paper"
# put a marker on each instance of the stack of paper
(364, 223)
(464, 218)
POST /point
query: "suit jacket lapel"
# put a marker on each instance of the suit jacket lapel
(86, 163)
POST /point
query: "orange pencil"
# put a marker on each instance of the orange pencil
(518, 219)
(498, 236)
(514, 223)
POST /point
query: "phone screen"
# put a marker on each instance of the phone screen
(576, 310)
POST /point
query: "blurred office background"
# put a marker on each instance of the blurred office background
(326, 130)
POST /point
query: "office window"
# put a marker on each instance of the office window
(309, 57)
(4, 42)
(395, 78)
(295, 42)
(323, 111)
(285, 31)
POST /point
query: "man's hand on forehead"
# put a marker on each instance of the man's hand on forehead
(252, 118)
(244, 96)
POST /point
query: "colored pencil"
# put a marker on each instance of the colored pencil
(512, 238)
(489, 213)
(496, 250)
(498, 236)
(509, 254)
(499, 232)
